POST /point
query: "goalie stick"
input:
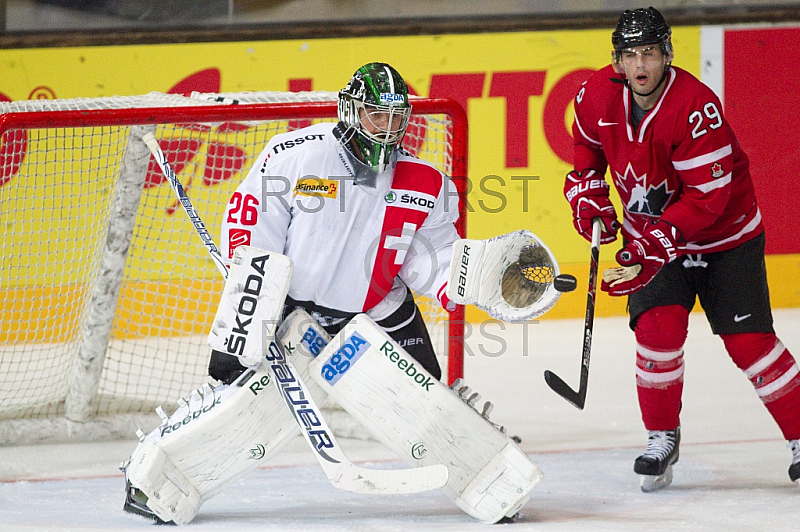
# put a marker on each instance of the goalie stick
(555, 382)
(339, 469)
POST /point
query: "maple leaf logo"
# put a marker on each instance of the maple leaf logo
(648, 200)
(716, 170)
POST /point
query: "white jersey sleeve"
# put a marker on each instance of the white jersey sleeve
(427, 265)
(259, 212)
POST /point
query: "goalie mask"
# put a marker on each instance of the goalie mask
(374, 111)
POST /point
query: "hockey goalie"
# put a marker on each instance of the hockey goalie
(318, 302)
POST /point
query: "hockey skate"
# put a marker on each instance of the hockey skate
(136, 502)
(654, 466)
(794, 469)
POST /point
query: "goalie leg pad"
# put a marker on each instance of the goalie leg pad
(219, 434)
(424, 421)
(170, 495)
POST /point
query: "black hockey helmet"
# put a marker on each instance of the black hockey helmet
(375, 90)
(640, 27)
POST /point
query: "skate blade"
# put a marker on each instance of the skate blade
(656, 482)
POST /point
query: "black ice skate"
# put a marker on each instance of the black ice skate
(655, 465)
(794, 469)
(136, 501)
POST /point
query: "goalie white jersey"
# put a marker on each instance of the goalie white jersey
(351, 244)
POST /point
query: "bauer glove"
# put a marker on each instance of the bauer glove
(642, 258)
(587, 193)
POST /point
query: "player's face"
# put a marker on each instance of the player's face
(380, 123)
(643, 66)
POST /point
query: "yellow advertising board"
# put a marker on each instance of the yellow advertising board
(516, 87)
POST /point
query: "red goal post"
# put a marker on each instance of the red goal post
(105, 291)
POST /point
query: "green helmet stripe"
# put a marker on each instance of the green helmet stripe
(368, 78)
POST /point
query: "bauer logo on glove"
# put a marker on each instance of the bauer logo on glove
(587, 193)
(641, 259)
(513, 277)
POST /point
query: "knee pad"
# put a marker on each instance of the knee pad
(660, 335)
(412, 335)
(767, 363)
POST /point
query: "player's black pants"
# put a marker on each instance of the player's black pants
(405, 326)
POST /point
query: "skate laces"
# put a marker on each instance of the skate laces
(660, 443)
(794, 446)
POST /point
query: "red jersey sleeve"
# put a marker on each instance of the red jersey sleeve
(703, 159)
(588, 150)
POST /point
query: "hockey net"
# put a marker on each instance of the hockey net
(106, 292)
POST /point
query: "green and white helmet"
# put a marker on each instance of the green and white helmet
(374, 109)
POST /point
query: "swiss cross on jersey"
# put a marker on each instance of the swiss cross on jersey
(641, 196)
(406, 210)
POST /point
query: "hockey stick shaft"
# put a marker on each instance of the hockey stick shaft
(191, 212)
(556, 383)
(339, 469)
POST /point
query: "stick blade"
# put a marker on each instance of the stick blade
(557, 384)
(391, 481)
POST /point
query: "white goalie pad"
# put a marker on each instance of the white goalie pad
(251, 304)
(509, 276)
(424, 421)
(219, 434)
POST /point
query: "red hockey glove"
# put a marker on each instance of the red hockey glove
(587, 193)
(642, 258)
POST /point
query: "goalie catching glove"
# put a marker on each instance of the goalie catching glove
(641, 259)
(509, 276)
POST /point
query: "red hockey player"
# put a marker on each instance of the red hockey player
(691, 228)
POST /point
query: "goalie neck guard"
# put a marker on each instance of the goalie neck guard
(374, 109)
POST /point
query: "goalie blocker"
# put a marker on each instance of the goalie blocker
(513, 277)
(251, 304)
(424, 421)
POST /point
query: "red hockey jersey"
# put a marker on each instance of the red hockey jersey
(683, 164)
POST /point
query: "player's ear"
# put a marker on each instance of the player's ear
(615, 62)
(668, 50)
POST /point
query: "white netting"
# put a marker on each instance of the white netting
(86, 214)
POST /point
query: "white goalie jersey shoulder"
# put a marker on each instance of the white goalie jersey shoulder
(509, 276)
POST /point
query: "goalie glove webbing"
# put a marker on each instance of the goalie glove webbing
(509, 276)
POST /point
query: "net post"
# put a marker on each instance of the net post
(81, 398)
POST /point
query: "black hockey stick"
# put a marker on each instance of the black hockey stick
(555, 382)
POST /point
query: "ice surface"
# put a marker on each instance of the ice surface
(731, 475)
